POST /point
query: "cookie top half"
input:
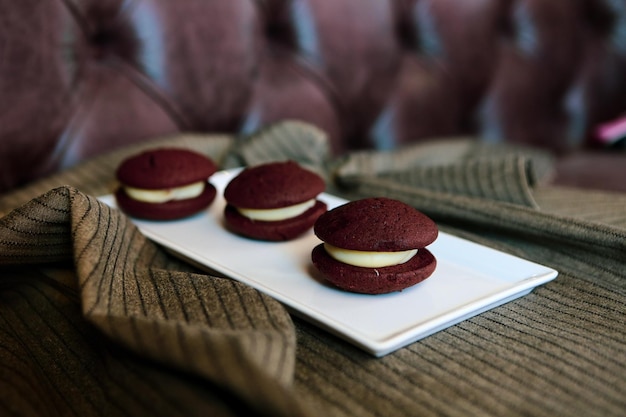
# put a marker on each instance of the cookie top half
(376, 224)
(165, 168)
(273, 185)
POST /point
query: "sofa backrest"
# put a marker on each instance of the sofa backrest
(80, 77)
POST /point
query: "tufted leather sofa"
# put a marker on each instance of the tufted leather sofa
(80, 77)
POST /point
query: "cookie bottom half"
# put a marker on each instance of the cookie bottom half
(272, 230)
(374, 280)
(171, 210)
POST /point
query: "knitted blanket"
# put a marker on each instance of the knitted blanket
(97, 320)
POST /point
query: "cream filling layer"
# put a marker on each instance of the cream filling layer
(277, 214)
(162, 196)
(369, 259)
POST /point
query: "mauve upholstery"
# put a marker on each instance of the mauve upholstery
(80, 77)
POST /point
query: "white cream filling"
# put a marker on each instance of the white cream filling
(164, 195)
(277, 214)
(369, 259)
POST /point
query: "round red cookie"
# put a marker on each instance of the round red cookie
(273, 185)
(375, 225)
(163, 169)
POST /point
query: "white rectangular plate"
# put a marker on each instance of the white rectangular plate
(469, 279)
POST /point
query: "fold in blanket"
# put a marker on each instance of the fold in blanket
(457, 167)
(128, 289)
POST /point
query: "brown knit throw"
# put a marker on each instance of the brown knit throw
(96, 320)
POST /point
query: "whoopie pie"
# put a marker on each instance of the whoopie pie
(275, 201)
(374, 246)
(165, 184)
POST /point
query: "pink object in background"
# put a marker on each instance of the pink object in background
(611, 132)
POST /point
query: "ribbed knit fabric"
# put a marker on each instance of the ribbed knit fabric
(95, 320)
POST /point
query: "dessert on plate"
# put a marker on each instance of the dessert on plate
(165, 184)
(275, 201)
(374, 246)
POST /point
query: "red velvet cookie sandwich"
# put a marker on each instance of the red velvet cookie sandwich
(165, 184)
(374, 246)
(274, 201)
